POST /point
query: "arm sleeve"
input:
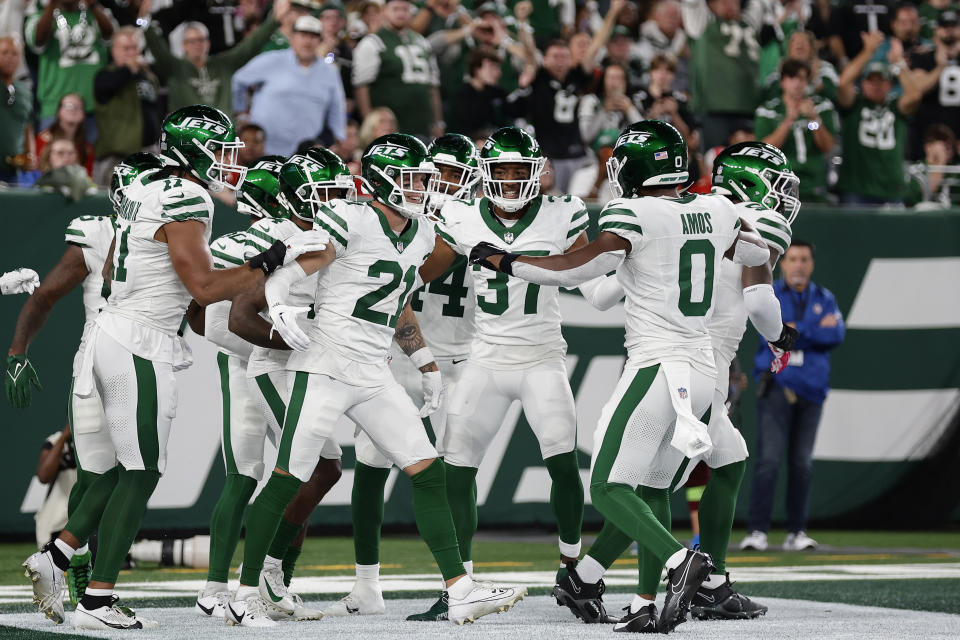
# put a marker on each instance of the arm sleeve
(603, 292)
(764, 122)
(569, 278)
(337, 114)
(216, 318)
(695, 16)
(764, 310)
(279, 282)
(749, 251)
(164, 61)
(366, 61)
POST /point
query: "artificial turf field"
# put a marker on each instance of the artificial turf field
(887, 584)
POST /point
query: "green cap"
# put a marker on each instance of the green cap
(877, 67)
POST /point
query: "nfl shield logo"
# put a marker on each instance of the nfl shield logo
(508, 237)
(682, 392)
(399, 246)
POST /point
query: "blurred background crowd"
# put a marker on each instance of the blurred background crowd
(862, 95)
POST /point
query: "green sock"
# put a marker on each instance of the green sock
(262, 523)
(226, 522)
(716, 511)
(85, 480)
(649, 565)
(121, 521)
(366, 509)
(86, 515)
(627, 511)
(290, 563)
(432, 513)
(462, 497)
(566, 495)
(609, 545)
(286, 532)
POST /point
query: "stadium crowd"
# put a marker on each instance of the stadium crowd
(862, 95)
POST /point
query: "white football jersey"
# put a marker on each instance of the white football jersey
(517, 322)
(147, 299)
(228, 252)
(670, 275)
(93, 234)
(360, 295)
(445, 310)
(260, 236)
(729, 320)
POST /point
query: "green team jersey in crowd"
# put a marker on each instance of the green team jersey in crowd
(401, 71)
(929, 15)
(276, 42)
(874, 140)
(69, 60)
(724, 68)
(808, 162)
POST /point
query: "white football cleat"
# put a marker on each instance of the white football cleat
(274, 593)
(755, 541)
(213, 605)
(302, 612)
(109, 617)
(483, 599)
(365, 599)
(799, 541)
(48, 584)
(251, 612)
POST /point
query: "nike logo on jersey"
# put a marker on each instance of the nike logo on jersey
(176, 195)
(458, 361)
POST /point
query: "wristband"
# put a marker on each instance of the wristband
(506, 262)
(422, 357)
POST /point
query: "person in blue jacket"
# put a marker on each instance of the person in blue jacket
(790, 402)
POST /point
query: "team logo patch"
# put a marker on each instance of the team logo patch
(215, 128)
(817, 308)
(682, 392)
(660, 155)
(508, 237)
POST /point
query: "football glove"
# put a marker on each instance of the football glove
(433, 392)
(283, 252)
(781, 348)
(481, 253)
(284, 319)
(20, 376)
(19, 281)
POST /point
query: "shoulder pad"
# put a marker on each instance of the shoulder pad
(83, 230)
(772, 226)
(182, 200)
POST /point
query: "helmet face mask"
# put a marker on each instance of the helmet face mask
(457, 160)
(309, 180)
(758, 172)
(126, 172)
(203, 141)
(398, 171)
(511, 146)
(225, 170)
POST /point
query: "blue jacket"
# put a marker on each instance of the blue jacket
(811, 379)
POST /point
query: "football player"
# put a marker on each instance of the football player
(444, 309)
(88, 241)
(366, 276)
(668, 249)
(758, 179)
(160, 260)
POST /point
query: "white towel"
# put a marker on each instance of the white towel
(690, 436)
(83, 387)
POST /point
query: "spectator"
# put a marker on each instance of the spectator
(478, 107)
(299, 94)
(371, 15)
(590, 181)
(71, 48)
(334, 46)
(550, 104)
(609, 107)
(61, 171)
(874, 126)
(69, 123)
(396, 68)
(57, 468)
(440, 15)
(200, 78)
(621, 51)
(17, 146)
(905, 27)
(280, 39)
(128, 113)
(823, 75)
(930, 11)
(61, 152)
(850, 18)
(551, 19)
(791, 402)
(724, 64)
(938, 73)
(663, 34)
(803, 126)
(659, 100)
(254, 140)
(379, 122)
(220, 17)
(929, 185)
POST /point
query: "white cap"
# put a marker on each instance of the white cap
(308, 24)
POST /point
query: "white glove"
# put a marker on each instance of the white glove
(433, 392)
(19, 281)
(306, 242)
(284, 319)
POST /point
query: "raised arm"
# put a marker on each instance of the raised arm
(846, 89)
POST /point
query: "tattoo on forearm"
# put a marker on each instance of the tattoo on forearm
(407, 333)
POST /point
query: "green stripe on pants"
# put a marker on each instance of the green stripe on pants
(147, 436)
(274, 401)
(224, 367)
(291, 419)
(631, 399)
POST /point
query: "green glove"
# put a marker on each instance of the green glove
(20, 375)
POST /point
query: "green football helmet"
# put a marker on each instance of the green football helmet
(511, 145)
(456, 152)
(131, 168)
(398, 171)
(203, 141)
(649, 153)
(269, 162)
(758, 172)
(310, 179)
